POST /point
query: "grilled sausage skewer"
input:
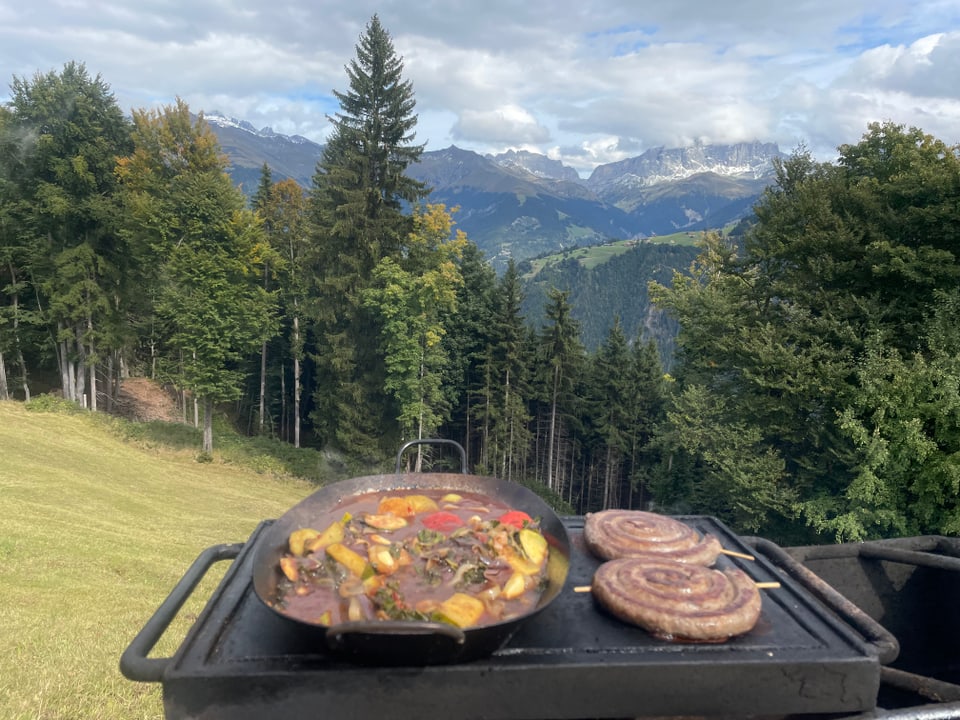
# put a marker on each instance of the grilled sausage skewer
(676, 600)
(612, 534)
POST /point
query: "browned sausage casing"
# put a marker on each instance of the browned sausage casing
(678, 600)
(612, 534)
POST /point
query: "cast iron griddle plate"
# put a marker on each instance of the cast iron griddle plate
(573, 660)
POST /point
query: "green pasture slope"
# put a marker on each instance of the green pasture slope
(94, 532)
(595, 255)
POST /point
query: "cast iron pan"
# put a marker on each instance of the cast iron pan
(407, 642)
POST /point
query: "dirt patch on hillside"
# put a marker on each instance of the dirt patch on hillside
(143, 400)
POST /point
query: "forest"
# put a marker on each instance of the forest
(813, 392)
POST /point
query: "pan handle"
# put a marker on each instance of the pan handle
(392, 641)
(134, 663)
(337, 634)
(433, 441)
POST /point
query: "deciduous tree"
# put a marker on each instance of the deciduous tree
(70, 132)
(210, 252)
(412, 299)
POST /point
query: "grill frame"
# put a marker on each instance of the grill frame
(573, 661)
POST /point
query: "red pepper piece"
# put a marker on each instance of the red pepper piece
(516, 518)
(442, 521)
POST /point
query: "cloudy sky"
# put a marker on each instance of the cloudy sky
(584, 81)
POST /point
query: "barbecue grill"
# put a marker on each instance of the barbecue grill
(814, 653)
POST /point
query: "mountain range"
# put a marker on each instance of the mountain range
(518, 204)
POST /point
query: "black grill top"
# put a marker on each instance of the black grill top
(573, 660)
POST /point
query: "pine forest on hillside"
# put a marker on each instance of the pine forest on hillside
(813, 391)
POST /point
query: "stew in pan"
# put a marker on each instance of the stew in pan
(462, 558)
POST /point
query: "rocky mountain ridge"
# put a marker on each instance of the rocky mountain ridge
(519, 204)
(661, 165)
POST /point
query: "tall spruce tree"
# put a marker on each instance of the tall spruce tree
(610, 410)
(466, 342)
(563, 356)
(358, 200)
(504, 414)
(647, 398)
(14, 261)
(260, 201)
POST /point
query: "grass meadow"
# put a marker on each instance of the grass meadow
(98, 521)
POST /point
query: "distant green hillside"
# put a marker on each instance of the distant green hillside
(591, 257)
(600, 290)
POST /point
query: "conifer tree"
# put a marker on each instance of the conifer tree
(260, 202)
(610, 392)
(563, 354)
(14, 261)
(804, 353)
(261, 198)
(358, 202)
(647, 396)
(466, 341)
(506, 382)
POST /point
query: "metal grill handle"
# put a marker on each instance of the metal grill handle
(134, 663)
(886, 645)
(433, 441)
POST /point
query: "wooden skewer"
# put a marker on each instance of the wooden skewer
(760, 586)
(733, 553)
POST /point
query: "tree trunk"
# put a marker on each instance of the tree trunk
(607, 478)
(113, 380)
(507, 417)
(284, 429)
(263, 385)
(466, 437)
(419, 464)
(553, 424)
(91, 358)
(4, 392)
(15, 301)
(263, 360)
(296, 378)
(92, 367)
(63, 359)
(80, 370)
(108, 391)
(23, 374)
(207, 424)
(196, 407)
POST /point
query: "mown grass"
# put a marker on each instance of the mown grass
(98, 520)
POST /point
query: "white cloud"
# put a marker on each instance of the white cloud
(507, 125)
(927, 68)
(586, 81)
